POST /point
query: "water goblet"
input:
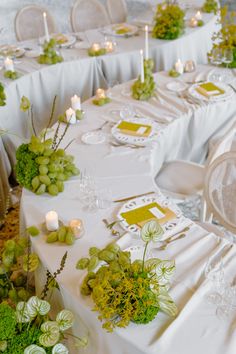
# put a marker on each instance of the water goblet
(227, 57)
(127, 111)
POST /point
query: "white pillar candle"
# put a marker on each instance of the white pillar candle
(100, 93)
(179, 67)
(51, 219)
(146, 43)
(142, 66)
(8, 63)
(70, 116)
(75, 103)
(198, 16)
(96, 47)
(46, 27)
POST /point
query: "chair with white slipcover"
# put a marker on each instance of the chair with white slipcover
(117, 10)
(220, 190)
(182, 179)
(88, 14)
(29, 22)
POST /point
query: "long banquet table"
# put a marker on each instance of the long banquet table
(126, 171)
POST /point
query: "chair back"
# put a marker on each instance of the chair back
(29, 22)
(220, 189)
(88, 14)
(224, 144)
(117, 10)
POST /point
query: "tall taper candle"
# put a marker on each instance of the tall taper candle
(146, 43)
(46, 27)
(142, 66)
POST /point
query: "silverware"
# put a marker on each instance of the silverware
(132, 197)
(177, 236)
(110, 227)
(127, 145)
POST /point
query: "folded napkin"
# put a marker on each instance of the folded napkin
(209, 89)
(134, 129)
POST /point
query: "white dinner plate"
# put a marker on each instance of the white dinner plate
(62, 39)
(159, 205)
(145, 123)
(228, 92)
(120, 30)
(93, 138)
(177, 86)
(11, 51)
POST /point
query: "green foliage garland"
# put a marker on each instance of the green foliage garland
(144, 90)
(50, 55)
(210, 6)
(169, 22)
(101, 101)
(2, 95)
(96, 53)
(12, 75)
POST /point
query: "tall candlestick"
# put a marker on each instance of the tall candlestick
(142, 66)
(75, 103)
(8, 63)
(46, 26)
(51, 219)
(146, 43)
(198, 16)
(70, 116)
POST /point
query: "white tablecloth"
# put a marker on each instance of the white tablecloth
(128, 172)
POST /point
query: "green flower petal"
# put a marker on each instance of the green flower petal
(151, 231)
(166, 303)
(51, 334)
(65, 320)
(59, 349)
(22, 313)
(34, 349)
(37, 306)
(165, 270)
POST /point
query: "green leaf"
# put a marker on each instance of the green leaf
(22, 313)
(166, 303)
(151, 231)
(165, 270)
(25, 104)
(37, 306)
(51, 334)
(65, 320)
(30, 262)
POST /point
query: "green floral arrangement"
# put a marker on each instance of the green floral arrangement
(226, 37)
(50, 55)
(2, 95)
(96, 53)
(200, 23)
(16, 263)
(144, 90)
(101, 101)
(79, 113)
(125, 291)
(41, 165)
(169, 22)
(173, 73)
(210, 6)
(12, 75)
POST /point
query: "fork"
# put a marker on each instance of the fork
(110, 227)
(180, 234)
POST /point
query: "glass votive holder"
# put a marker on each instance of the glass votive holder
(189, 66)
(77, 227)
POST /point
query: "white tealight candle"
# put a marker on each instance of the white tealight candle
(146, 43)
(51, 219)
(96, 47)
(100, 93)
(8, 63)
(75, 103)
(198, 16)
(179, 67)
(142, 66)
(77, 228)
(193, 22)
(70, 116)
(109, 46)
(46, 27)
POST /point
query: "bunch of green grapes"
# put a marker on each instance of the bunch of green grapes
(64, 235)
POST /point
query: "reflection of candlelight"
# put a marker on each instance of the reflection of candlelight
(109, 46)
(51, 219)
(193, 22)
(198, 16)
(100, 93)
(46, 27)
(77, 228)
(179, 67)
(75, 103)
(142, 66)
(96, 47)
(9, 66)
(70, 116)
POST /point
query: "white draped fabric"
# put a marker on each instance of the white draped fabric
(127, 171)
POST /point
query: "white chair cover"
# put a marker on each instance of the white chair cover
(220, 189)
(117, 10)
(88, 14)
(5, 170)
(29, 22)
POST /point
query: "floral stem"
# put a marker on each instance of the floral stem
(144, 254)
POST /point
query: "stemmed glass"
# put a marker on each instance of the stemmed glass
(127, 111)
(214, 271)
(227, 57)
(217, 59)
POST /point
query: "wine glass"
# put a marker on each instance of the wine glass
(127, 111)
(217, 59)
(214, 271)
(227, 57)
